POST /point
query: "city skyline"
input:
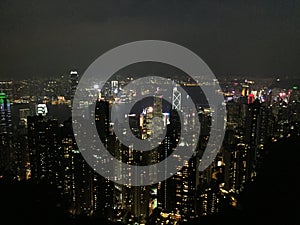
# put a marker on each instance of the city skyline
(205, 131)
(40, 150)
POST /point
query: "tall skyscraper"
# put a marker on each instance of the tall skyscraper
(6, 153)
(44, 146)
(294, 105)
(7, 88)
(73, 80)
(54, 157)
(176, 99)
(102, 119)
(105, 189)
(114, 87)
(176, 195)
(256, 134)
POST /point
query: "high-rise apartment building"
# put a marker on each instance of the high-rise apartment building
(44, 149)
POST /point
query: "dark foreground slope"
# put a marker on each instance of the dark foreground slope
(273, 198)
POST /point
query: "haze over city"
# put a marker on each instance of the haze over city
(47, 38)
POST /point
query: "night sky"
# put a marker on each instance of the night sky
(245, 37)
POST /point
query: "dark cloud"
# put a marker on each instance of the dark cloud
(43, 38)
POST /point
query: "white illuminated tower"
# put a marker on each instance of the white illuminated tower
(114, 87)
(176, 100)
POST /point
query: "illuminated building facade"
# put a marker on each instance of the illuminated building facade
(176, 99)
(73, 81)
(7, 87)
(6, 153)
(43, 144)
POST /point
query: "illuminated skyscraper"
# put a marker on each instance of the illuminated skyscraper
(256, 128)
(236, 149)
(156, 127)
(54, 157)
(114, 87)
(73, 80)
(23, 114)
(44, 143)
(177, 194)
(105, 189)
(176, 100)
(7, 88)
(294, 105)
(102, 119)
(6, 154)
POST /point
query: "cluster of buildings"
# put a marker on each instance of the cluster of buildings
(41, 148)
